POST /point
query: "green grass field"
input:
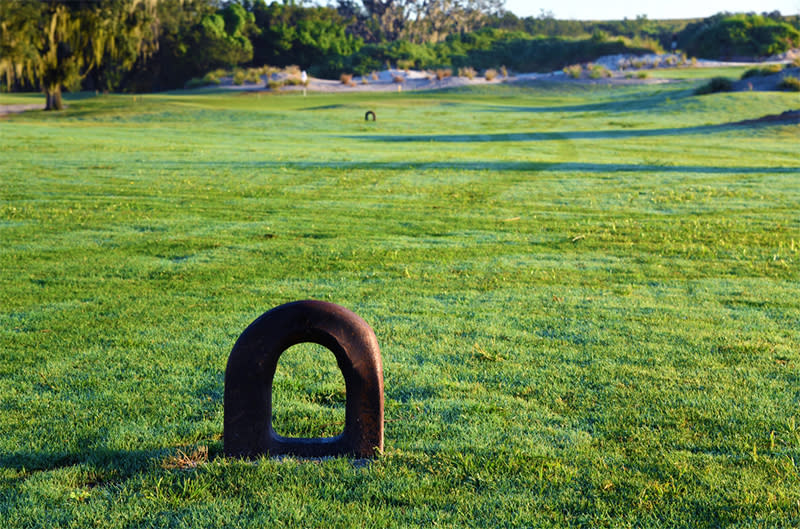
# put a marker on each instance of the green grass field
(587, 301)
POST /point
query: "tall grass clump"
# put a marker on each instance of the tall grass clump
(253, 75)
(490, 74)
(468, 72)
(574, 71)
(443, 73)
(212, 78)
(598, 71)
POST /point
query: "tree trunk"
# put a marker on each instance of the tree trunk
(53, 95)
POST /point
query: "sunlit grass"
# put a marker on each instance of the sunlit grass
(586, 300)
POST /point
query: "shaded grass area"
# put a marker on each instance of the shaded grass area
(583, 322)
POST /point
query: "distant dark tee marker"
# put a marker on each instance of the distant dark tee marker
(248, 431)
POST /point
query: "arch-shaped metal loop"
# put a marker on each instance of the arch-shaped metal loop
(251, 368)
(368, 114)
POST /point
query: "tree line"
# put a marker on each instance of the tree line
(152, 45)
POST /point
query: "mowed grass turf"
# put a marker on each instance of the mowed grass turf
(587, 301)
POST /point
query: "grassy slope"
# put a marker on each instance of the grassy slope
(588, 304)
(731, 72)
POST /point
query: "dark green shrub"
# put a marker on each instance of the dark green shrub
(194, 82)
(752, 72)
(717, 84)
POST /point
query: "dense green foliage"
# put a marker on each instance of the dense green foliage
(726, 36)
(661, 31)
(489, 48)
(587, 301)
(525, 54)
(194, 38)
(55, 45)
(152, 45)
(308, 37)
(147, 45)
(222, 38)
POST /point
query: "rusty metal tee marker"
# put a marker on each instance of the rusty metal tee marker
(248, 431)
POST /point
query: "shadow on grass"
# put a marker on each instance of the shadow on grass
(575, 167)
(616, 105)
(122, 462)
(607, 134)
(324, 107)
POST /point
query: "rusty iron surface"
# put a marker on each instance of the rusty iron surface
(248, 431)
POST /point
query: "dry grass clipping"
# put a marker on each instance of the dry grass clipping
(184, 461)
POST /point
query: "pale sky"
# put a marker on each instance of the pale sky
(665, 9)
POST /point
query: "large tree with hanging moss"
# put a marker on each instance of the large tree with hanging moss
(55, 44)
